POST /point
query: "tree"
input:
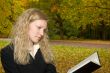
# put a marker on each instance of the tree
(9, 10)
(5, 23)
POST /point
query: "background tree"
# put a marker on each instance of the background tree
(68, 19)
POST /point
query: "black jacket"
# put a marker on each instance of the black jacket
(37, 65)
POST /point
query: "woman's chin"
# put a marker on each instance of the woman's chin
(36, 40)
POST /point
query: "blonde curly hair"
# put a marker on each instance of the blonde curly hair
(21, 40)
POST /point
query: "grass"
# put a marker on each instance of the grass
(3, 43)
(67, 57)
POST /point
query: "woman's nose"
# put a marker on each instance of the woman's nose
(41, 32)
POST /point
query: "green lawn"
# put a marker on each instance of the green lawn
(67, 57)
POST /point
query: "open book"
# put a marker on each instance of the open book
(88, 65)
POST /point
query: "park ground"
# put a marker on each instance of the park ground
(68, 53)
(82, 43)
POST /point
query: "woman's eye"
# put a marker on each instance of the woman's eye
(39, 27)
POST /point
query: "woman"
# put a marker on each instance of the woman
(29, 51)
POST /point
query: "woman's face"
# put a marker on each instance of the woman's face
(36, 30)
